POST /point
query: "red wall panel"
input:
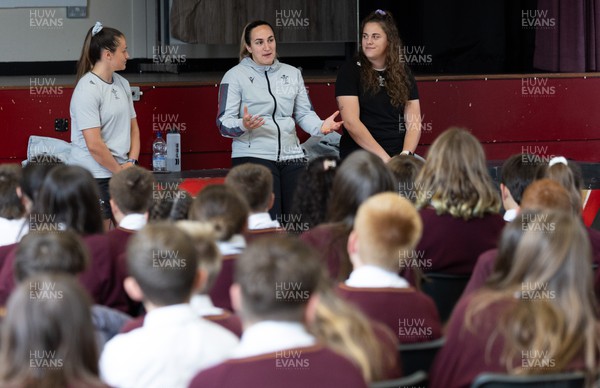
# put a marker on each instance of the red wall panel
(553, 116)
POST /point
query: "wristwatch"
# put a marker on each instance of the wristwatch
(133, 161)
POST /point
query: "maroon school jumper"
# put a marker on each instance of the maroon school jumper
(468, 353)
(595, 243)
(219, 293)
(452, 245)
(482, 271)
(314, 367)
(410, 314)
(103, 278)
(332, 244)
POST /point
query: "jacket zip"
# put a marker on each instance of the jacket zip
(277, 125)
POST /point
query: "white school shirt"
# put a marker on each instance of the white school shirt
(133, 221)
(510, 215)
(96, 103)
(262, 221)
(12, 231)
(272, 336)
(234, 246)
(370, 276)
(203, 306)
(172, 346)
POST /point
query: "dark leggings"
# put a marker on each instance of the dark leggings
(285, 176)
(104, 198)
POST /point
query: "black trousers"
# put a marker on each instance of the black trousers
(285, 177)
(104, 198)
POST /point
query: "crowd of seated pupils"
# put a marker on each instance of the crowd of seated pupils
(209, 291)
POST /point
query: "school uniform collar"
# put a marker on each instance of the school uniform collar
(234, 246)
(262, 221)
(272, 336)
(203, 305)
(134, 221)
(510, 215)
(370, 276)
(169, 316)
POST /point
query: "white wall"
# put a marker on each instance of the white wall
(45, 34)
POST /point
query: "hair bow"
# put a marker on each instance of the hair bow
(557, 159)
(97, 28)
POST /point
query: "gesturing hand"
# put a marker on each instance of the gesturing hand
(330, 125)
(251, 122)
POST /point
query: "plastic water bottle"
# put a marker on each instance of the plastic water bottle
(173, 151)
(159, 154)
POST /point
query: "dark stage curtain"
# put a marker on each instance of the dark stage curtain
(571, 45)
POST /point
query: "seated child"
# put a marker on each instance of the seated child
(386, 230)
(538, 319)
(223, 208)
(361, 175)
(406, 168)
(311, 197)
(517, 173)
(170, 205)
(544, 195)
(209, 261)
(48, 337)
(254, 183)
(174, 343)
(66, 253)
(276, 280)
(130, 200)
(346, 330)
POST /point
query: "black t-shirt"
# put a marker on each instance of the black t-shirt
(382, 119)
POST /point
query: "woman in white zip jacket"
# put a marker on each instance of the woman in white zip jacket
(275, 95)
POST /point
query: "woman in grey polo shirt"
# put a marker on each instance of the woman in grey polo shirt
(104, 133)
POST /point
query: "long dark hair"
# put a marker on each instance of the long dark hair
(69, 197)
(396, 77)
(11, 206)
(311, 197)
(52, 329)
(361, 175)
(40, 252)
(107, 38)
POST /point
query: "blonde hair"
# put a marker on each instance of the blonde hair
(554, 254)
(455, 179)
(209, 256)
(564, 175)
(387, 226)
(348, 332)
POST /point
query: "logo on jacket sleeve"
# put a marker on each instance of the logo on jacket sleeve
(251, 79)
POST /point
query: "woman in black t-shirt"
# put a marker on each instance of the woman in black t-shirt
(377, 94)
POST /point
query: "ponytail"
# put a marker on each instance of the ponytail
(107, 38)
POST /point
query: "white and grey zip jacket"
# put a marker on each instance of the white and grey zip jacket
(278, 95)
